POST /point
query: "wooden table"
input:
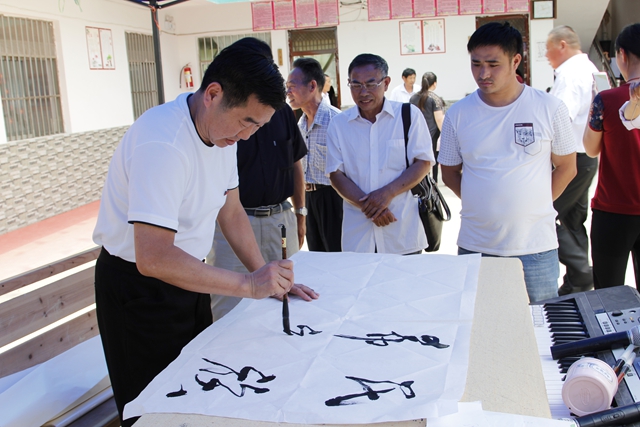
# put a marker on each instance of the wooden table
(504, 367)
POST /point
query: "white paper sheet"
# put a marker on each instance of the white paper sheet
(53, 385)
(410, 300)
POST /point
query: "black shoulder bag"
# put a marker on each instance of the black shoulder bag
(432, 207)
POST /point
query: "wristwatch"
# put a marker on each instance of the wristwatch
(301, 211)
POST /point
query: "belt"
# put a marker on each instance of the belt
(268, 210)
(310, 186)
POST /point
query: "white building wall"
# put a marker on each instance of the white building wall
(98, 99)
(91, 99)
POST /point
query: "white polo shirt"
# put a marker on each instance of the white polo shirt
(400, 94)
(575, 86)
(505, 152)
(372, 155)
(163, 174)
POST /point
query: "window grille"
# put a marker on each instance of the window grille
(29, 78)
(315, 40)
(209, 47)
(142, 72)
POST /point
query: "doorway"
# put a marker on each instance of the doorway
(322, 45)
(520, 23)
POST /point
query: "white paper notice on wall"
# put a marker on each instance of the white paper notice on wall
(388, 340)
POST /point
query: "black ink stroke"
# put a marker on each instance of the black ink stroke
(370, 393)
(383, 340)
(242, 375)
(178, 393)
(215, 382)
(302, 328)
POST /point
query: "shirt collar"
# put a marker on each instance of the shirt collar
(387, 107)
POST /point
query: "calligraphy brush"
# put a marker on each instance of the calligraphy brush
(285, 298)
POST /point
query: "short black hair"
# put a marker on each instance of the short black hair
(370, 59)
(408, 72)
(311, 70)
(243, 69)
(500, 34)
(629, 40)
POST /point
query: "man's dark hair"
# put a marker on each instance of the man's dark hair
(408, 72)
(629, 40)
(500, 34)
(311, 70)
(370, 59)
(243, 69)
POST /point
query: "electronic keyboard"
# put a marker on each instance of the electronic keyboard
(584, 315)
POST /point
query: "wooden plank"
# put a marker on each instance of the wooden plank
(17, 282)
(34, 310)
(49, 344)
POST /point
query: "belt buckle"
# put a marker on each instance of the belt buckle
(262, 212)
(310, 186)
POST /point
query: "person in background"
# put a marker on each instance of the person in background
(380, 213)
(324, 204)
(432, 108)
(498, 150)
(575, 86)
(328, 93)
(269, 172)
(408, 87)
(615, 222)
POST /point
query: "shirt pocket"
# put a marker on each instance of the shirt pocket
(395, 156)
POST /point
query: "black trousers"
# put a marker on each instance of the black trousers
(324, 220)
(144, 324)
(613, 237)
(572, 207)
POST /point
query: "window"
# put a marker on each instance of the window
(29, 78)
(142, 72)
(209, 47)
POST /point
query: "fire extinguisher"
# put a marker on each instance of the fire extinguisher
(188, 77)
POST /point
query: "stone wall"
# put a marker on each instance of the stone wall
(47, 176)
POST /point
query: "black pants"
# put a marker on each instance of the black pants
(144, 324)
(572, 207)
(324, 220)
(613, 236)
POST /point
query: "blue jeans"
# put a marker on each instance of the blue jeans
(541, 272)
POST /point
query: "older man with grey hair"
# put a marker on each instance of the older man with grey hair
(574, 85)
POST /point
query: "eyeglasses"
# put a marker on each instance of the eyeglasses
(369, 86)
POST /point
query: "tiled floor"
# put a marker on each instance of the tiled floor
(47, 241)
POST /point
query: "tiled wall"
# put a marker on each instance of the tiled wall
(43, 177)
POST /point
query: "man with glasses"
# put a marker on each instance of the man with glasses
(366, 164)
(323, 205)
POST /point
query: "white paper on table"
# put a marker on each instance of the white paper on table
(471, 414)
(53, 385)
(432, 295)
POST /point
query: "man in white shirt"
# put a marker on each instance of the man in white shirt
(366, 163)
(497, 149)
(575, 86)
(408, 87)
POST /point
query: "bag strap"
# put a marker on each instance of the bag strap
(406, 123)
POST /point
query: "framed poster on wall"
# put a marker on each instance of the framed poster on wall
(433, 37)
(100, 49)
(410, 37)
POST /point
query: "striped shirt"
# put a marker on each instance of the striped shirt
(315, 136)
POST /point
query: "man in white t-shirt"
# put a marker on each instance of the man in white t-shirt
(575, 86)
(366, 163)
(498, 146)
(408, 87)
(171, 177)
